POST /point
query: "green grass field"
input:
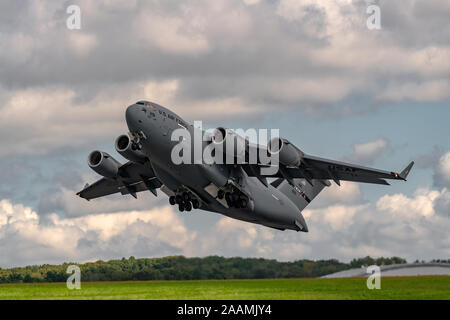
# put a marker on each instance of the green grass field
(437, 287)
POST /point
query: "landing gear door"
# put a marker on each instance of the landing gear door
(213, 190)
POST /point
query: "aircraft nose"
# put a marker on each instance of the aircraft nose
(132, 116)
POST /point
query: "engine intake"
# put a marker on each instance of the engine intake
(232, 144)
(289, 155)
(128, 149)
(103, 164)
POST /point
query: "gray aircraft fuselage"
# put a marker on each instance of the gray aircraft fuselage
(268, 205)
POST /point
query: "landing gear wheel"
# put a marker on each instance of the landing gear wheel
(188, 206)
(181, 207)
(220, 194)
(172, 200)
(195, 204)
(242, 203)
(235, 197)
(228, 199)
(178, 199)
(186, 196)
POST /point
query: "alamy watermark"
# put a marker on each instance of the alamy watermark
(73, 22)
(74, 280)
(373, 22)
(225, 146)
(374, 280)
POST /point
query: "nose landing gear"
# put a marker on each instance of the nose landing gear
(136, 138)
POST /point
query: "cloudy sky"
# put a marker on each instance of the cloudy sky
(311, 68)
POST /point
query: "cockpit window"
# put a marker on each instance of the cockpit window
(147, 104)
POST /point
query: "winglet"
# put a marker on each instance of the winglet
(79, 194)
(406, 171)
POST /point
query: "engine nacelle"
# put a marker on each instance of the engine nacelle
(103, 164)
(288, 154)
(230, 142)
(125, 147)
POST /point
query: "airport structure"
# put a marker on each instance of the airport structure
(398, 270)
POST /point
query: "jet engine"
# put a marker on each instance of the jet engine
(289, 154)
(230, 142)
(127, 148)
(103, 164)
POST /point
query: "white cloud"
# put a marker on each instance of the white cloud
(339, 217)
(44, 119)
(20, 48)
(322, 89)
(171, 34)
(170, 227)
(346, 231)
(367, 152)
(310, 54)
(82, 43)
(62, 238)
(434, 90)
(119, 4)
(251, 2)
(58, 115)
(338, 230)
(346, 193)
(422, 203)
(65, 201)
(442, 171)
(10, 213)
(442, 204)
(164, 91)
(231, 237)
(335, 14)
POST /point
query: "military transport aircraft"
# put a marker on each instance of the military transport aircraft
(240, 190)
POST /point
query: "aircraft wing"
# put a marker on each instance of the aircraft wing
(321, 168)
(324, 169)
(132, 177)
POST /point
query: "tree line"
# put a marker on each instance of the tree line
(182, 268)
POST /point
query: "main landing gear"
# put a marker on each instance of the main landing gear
(185, 201)
(235, 198)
